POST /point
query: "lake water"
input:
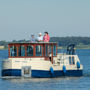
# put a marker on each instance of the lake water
(64, 83)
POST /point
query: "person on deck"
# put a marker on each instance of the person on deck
(46, 37)
(40, 37)
(32, 38)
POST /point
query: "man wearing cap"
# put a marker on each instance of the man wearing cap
(32, 38)
(40, 37)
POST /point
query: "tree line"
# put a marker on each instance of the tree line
(62, 41)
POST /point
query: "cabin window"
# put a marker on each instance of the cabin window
(73, 61)
(54, 50)
(46, 50)
(21, 50)
(38, 50)
(29, 50)
(13, 51)
(50, 50)
(70, 60)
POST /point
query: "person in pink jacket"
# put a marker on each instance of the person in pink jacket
(46, 37)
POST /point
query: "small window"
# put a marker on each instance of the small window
(29, 50)
(21, 51)
(26, 71)
(38, 50)
(13, 51)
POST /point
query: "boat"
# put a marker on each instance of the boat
(41, 60)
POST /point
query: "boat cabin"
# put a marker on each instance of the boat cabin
(32, 50)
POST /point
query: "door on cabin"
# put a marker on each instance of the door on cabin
(49, 52)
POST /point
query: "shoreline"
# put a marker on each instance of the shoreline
(77, 47)
(59, 47)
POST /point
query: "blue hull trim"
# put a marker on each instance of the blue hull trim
(42, 73)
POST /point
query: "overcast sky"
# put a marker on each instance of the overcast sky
(20, 18)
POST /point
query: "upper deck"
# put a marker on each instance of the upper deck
(34, 50)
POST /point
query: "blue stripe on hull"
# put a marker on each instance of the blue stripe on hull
(11, 72)
(42, 73)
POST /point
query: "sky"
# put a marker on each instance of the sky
(20, 18)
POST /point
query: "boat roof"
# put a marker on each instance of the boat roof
(33, 43)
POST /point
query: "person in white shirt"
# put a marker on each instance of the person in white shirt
(40, 37)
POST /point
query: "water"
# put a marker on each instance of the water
(64, 83)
